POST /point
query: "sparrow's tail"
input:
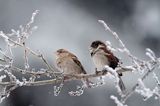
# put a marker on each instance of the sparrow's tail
(121, 85)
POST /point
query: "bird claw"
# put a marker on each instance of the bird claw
(104, 71)
(120, 74)
(96, 71)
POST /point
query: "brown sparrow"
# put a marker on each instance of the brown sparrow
(69, 63)
(101, 56)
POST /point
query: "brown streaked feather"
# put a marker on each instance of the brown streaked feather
(58, 62)
(75, 59)
(113, 59)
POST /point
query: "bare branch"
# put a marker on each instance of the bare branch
(137, 84)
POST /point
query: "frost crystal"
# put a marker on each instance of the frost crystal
(58, 89)
(4, 36)
(2, 77)
(119, 103)
(142, 90)
(97, 84)
(114, 75)
(150, 53)
(79, 91)
(156, 79)
(109, 46)
(2, 93)
(2, 89)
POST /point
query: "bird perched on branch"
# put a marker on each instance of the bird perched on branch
(101, 56)
(69, 64)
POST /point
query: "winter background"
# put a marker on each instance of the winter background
(73, 25)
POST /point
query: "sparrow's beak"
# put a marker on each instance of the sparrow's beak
(90, 49)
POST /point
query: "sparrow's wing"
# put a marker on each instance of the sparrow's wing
(75, 59)
(58, 61)
(112, 59)
(114, 62)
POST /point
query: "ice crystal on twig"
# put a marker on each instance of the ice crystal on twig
(58, 89)
(78, 92)
(145, 92)
(114, 75)
(138, 65)
(2, 89)
(118, 103)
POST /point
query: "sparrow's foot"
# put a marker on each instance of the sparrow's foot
(96, 71)
(104, 71)
(120, 74)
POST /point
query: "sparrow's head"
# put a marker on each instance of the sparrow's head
(96, 45)
(61, 52)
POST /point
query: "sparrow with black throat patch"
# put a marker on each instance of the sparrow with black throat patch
(101, 57)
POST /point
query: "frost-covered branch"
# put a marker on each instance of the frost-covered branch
(31, 77)
(123, 49)
(144, 68)
(118, 102)
(17, 39)
(69, 77)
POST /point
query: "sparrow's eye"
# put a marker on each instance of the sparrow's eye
(59, 51)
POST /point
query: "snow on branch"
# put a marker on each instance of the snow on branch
(144, 68)
(146, 92)
(8, 70)
(119, 103)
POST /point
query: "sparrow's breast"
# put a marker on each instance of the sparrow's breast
(100, 60)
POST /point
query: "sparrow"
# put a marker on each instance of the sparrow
(101, 57)
(69, 64)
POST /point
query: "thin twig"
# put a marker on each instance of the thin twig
(136, 85)
(26, 64)
(119, 40)
(8, 57)
(2, 60)
(34, 53)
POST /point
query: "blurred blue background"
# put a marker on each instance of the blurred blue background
(73, 25)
